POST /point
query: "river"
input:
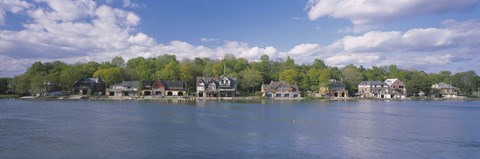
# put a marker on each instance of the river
(266, 129)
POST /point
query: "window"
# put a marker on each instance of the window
(279, 95)
(287, 95)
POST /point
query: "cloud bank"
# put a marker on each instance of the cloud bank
(364, 13)
(86, 30)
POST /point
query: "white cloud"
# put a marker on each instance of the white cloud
(208, 39)
(13, 6)
(364, 13)
(426, 48)
(80, 31)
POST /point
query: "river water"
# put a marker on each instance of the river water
(267, 129)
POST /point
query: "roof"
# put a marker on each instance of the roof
(205, 80)
(229, 78)
(372, 83)
(391, 81)
(89, 81)
(336, 84)
(275, 84)
(442, 85)
(175, 84)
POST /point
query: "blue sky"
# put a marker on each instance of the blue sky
(430, 35)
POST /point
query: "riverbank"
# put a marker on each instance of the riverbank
(219, 99)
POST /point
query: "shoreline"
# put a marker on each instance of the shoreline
(243, 99)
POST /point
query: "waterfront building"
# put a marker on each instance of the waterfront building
(373, 89)
(443, 90)
(89, 87)
(124, 89)
(335, 89)
(397, 88)
(216, 87)
(280, 89)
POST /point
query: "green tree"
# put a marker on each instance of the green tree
(249, 78)
(118, 61)
(325, 77)
(319, 64)
(21, 84)
(290, 76)
(4, 84)
(110, 75)
(289, 63)
(70, 75)
(351, 77)
(170, 72)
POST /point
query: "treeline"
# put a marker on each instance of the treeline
(250, 75)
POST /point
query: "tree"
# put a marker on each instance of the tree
(186, 74)
(118, 61)
(290, 76)
(4, 84)
(319, 64)
(21, 84)
(325, 77)
(351, 77)
(249, 78)
(417, 82)
(70, 75)
(170, 72)
(289, 63)
(467, 82)
(110, 75)
(312, 77)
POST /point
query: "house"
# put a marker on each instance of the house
(124, 89)
(50, 88)
(175, 88)
(216, 87)
(335, 89)
(227, 86)
(152, 89)
(207, 87)
(396, 88)
(373, 89)
(89, 86)
(443, 90)
(280, 89)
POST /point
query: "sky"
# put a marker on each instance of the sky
(428, 35)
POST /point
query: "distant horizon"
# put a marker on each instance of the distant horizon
(429, 35)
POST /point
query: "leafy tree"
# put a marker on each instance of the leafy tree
(290, 76)
(70, 75)
(417, 82)
(319, 64)
(289, 63)
(4, 84)
(21, 84)
(249, 78)
(466, 81)
(118, 61)
(325, 77)
(351, 77)
(110, 75)
(170, 72)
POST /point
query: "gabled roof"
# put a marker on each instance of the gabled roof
(89, 81)
(443, 85)
(336, 84)
(229, 78)
(391, 81)
(372, 83)
(205, 80)
(275, 84)
(175, 84)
